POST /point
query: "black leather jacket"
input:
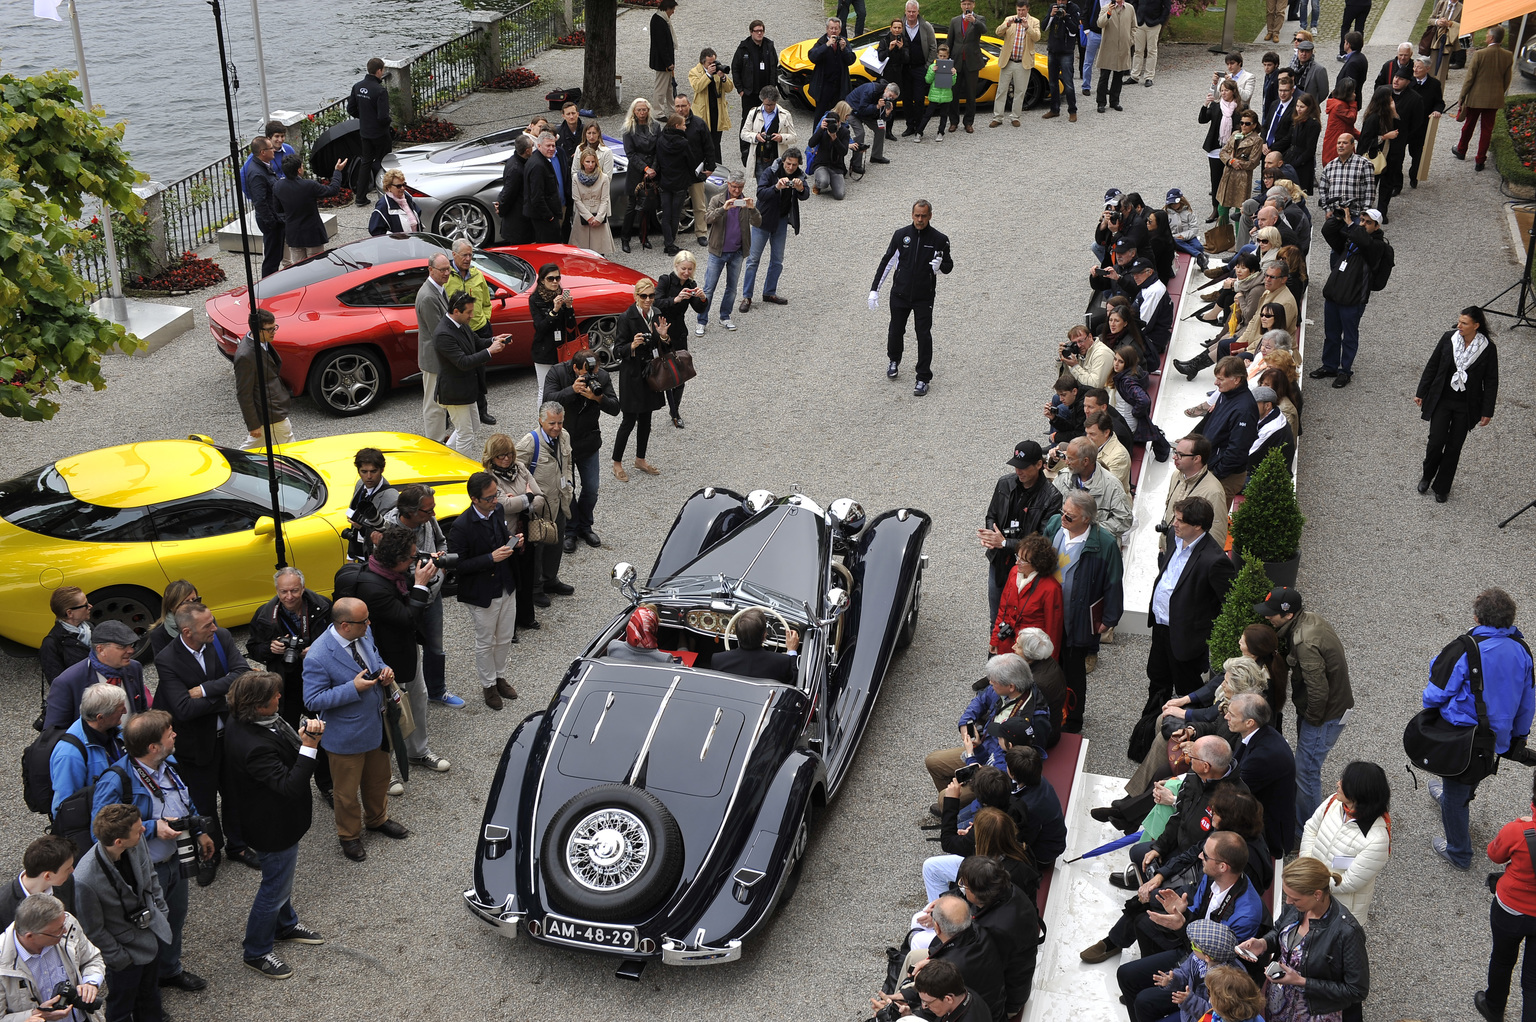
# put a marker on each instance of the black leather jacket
(1335, 963)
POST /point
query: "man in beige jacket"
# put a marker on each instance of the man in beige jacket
(1015, 61)
(1113, 457)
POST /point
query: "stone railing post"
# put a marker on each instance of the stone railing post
(486, 25)
(402, 101)
(150, 263)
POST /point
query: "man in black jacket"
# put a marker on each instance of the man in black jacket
(1150, 18)
(282, 630)
(543, 192)
(269, 768)
(1230, 426)
(1211, 769)
(1268, 766)
(1062, 26)
(1022, 502)
(1277, 118)
(1193, 576)
(754, 68)
(196, 672)
(369, 103)
(462, 352)
(752, 660)
(486, 584)
(298, 197)
(1431, 94)
(1010, 920)
(917, 254)
(663, 57)
(701, 151)
(944, 995)
(258, 176)
(960, 942)
(831, 56)
(965, 32)
(1356, 254)
(516, 228)
(587, 393)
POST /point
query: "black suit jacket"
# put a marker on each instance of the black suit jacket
(1482, 393)
(271, 783)
(757, 663)
(541, 195)
(1197, 599)
(965, 46)
(662, 50)
(1282, 139)
(197, 725)
(461, 353)
(481, 579)
(1268, 767)
(13, 894)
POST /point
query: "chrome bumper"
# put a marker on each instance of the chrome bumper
(504, 917)
(674, 952)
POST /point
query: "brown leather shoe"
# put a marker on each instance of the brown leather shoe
(505, 689)
(1072, 117)
(775, 300)
(389, 828)
(746, 305)
(354, 850)
(1049, 114)
(647, 467)
(970, 129)
(619, 473)
(492, 697)
(1103, 951)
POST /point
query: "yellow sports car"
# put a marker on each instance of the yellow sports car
(795, 69)
(122, 522)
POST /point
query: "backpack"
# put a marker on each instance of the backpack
(36, 777)
(345, 584)
(1383, 270)
(75, 813)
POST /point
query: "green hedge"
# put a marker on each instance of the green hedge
(1505, 154)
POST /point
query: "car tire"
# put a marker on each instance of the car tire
(134, 606)
(348, 381)
(908, 629)
(1035, 91)
(796, 860)
(465, 218)
(626, 882)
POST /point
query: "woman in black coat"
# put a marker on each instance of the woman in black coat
(676, 159)
(64, 647)
(642, 132)
(1457, 391)
(1306, 126)
(676, 293)
(1381, 132)
(554, 323)
(639, 339)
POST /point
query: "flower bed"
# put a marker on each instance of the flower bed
(189, 273)
(513, 78)
(1514, 142)
(340, 199)
(575, 41)
(431, 129)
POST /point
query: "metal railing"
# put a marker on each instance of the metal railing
(531, 28)
(199, 204)
(448, 71)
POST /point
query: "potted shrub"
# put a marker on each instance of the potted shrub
(1251, 586)
(1268, 524)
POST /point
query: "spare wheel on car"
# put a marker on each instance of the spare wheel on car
(611, 852)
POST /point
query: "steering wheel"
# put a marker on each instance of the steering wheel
(730, 628)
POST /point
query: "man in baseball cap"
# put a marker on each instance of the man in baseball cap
(1283, 602)
(1022, 502)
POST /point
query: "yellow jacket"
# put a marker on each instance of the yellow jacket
(698, 81)
(476, 285)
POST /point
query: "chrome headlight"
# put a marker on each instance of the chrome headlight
(759, 499)
(847, 513)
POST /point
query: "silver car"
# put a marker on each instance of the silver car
(456, 184)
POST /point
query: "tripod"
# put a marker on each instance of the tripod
(1517, 514)
(1525, 307)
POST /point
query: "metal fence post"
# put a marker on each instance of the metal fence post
(486, 25)
(402, 101)
(150, 263)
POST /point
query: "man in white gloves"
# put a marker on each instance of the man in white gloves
(918, 254)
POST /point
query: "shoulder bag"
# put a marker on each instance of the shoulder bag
(1460, 752)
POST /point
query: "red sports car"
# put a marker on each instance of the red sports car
(347, 317)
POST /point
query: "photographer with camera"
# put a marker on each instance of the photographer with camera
(1022, 502)
(586, 392)
(177, 838)
(371, 497)
(281, 632)
(122, 909)
(1082, 355)
(917, 254)
(49, 969)
(397, 585)
(270, 764)
(416, 509)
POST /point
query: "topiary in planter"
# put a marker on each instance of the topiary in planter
(1250, 587)
(1268, 524)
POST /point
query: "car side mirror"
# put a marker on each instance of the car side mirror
(837, 602)
(264, 526)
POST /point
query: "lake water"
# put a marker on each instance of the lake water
(156, 64)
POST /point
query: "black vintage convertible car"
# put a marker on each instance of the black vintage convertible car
(661, 810)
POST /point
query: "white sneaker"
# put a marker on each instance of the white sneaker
(728, 324)
(396, 788)
(698, 331)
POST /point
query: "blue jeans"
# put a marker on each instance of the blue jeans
(1308, 9)
(1453, 817)
(1313, 743)
(175, 887)
(731, 261)
(1189, 246)
(272, 911)
(775, 242)
(938, 872)
(586, 502)
(1090, 53)
(430, 630)
(1341, 335)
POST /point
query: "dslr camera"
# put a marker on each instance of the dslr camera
(191, 828)
(293, 648)
(587, 373)
(366, 520)
(1071, 349)
(1163, 529)
(445, 561)
(1005, 632)
(66, 995)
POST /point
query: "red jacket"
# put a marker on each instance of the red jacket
(1517, 887)
(1038, 606)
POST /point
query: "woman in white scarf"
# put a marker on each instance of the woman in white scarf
(1222, 105)
(1457, 391)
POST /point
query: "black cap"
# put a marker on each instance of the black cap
(1124, 245)
(1025, 454)
(115, 632)
(1017, 730)
(1279, 601)
(1137, 265)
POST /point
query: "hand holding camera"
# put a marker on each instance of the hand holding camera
(498, 345)
(310, 731)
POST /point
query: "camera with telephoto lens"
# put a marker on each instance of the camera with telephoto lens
(191, 827)
(366, 520)
(445, 561)
(293, 648)
(66, 995)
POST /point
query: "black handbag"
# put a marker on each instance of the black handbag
(1459, 752)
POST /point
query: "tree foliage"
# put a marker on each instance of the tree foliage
(1250, 587)
(53, 154)
(1268, 524)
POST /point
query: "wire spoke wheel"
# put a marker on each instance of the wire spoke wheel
(607, 850)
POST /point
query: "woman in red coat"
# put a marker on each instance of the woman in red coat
(1343, 106)
(1032, 598)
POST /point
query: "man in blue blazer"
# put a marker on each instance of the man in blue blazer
(342, 674)
(1268, 766)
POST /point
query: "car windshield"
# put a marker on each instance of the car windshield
(486, 145)
(506, 268)
(733, 589)
(300, 490)
(40, 502)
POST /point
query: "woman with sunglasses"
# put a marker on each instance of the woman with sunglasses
(554, 324)
(69, 641)
(640, 339)
(676, 293)
(1239, 156)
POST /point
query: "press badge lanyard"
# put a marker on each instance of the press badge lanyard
(151, 785)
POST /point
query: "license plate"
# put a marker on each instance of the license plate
(584, 934)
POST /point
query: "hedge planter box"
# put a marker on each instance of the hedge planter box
(1514, 146)
(1283, 573)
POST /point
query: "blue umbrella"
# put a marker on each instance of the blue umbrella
(1119, 842)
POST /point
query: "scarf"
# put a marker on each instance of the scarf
(1464, 355)
(112, 674)
(641, 631)
(83, 630)
(394, 576)
(587, 180)
(509, 474)
(1268, 427)
(407, 216)
(1228, 108)
(280, 727)
(1024, 580)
